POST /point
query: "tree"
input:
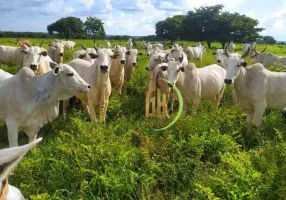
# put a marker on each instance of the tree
(69, 27)
(171, 28)
(269, 40)
(94, 27)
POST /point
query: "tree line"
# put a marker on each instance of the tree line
(209, 24)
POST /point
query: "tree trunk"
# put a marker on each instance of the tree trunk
(94, 40)
(209, 44)
(222, 44)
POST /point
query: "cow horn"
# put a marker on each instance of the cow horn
(226, 51)
(255, 50)
(42, 43)
(181, 58)
(167, 57)
(83, 46)
(246, 53)
(263, 50)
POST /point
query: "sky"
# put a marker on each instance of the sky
(133, 17)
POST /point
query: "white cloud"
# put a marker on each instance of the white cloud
(86, 3)
(279, 25)
(69, 10)
(167, 5)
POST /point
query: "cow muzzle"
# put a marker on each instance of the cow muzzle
(228, 81)
(122, 62)
(33, 67)
(219, 61)
(103, 68)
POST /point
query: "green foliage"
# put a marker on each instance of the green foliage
(206, 157)
(69, 27)
(268, 40)
(94, 26)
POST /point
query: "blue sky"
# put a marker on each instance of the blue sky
(132, 17)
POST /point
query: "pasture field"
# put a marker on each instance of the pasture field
(206, 157)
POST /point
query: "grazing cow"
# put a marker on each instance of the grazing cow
(56, 52)
(198, 84)
(68, 44)
(221, 58)
(231, 47)
(9, 158)
(177, 53)
(195, 53)
(117, 71)
(255, 88)
(21, 56)
(268, 59)
(107, 44)
(28, 102)
(88, 54)
(97, 75)
(21, 42)
(131, 62)
(129, 44)
(252, 46)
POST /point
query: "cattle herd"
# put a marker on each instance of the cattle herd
(30, 99)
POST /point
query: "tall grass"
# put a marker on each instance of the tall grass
(206, 157)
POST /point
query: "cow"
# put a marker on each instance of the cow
(117, 71)
(268, 59)
(155, 60)
(28, 102)
(88, 54)
(198, 44)
(231, 47)
(255, 88)
(129, 44)
(21, 42)
(56, 52)
(195, 53)
(107, 44)
(97, 75)
(221, 58)
(252, 46)
(177, 53)
(9, 158)
(144, 44)
(131, 62)
(21, 56)
(69, 45)
(198, 84)
(159, 45)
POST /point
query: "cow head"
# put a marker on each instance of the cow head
(59, 51)
(174, 70)
(258, 57)
(69, 79)
(131, 56)
(155, 60)
(121, 52)
(234, 62)
(104, 59)
(33, 56)
(219, 53)
(8, 160)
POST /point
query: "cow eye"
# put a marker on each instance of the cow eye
(70, 74)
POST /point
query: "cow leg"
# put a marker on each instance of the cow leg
(91, 111)
(85, 106)
(12, 127)
(32, 135)
(65, 109)
(185, 105)
(249, 121)
(259, 109)
(195, 106)
(218, 98)
(103, 109)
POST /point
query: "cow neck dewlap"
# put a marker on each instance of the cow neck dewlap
(4, 187)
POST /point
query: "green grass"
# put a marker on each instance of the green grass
(206, 157)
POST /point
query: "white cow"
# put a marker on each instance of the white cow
(56, 52)
(177, 53)
(198, 44)
(107, 44)
(195, 53)
(28, 102)
(155, 60)
(97, 75)
(129, 44)
(68, 44)
(269, 59)
(88, 54)
(148, 49)
(159, 45)
(144, 44)
(221, 58)
(252, 46)
(9, 158)
(255, 88)
(198, 84)
(231, 47)
(19, 56)
(117, 71)
(131, 62)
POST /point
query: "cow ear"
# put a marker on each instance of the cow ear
(53, 65)
(82, 56)
(244, 64)
(92, 55)
(44, 53)
(11, 156)
(182, 69)
(57, 70)
(128, 53)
